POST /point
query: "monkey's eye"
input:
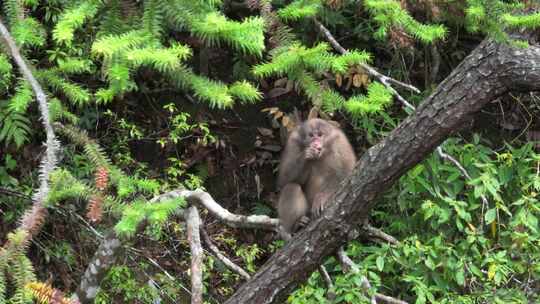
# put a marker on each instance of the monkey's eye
(320, 134)
(310, 134)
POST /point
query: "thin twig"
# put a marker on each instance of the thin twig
(349, 266)
(193, 223)
(6, 191)
(331, 295)
(379, 234)
(215, 251)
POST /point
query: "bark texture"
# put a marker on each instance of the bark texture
(491, 70)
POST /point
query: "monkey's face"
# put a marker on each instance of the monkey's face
(314, 133)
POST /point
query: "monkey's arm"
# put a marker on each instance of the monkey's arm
(293, 162)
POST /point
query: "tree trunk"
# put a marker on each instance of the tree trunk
(490, 71)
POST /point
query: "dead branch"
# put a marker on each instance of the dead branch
(6, 191)
(328, 281)
(349, 266)
(225, 260)
(33, 219)
(385, 80)
(205, 200)
(193, 222)
(375, 233)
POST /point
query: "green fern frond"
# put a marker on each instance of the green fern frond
(76, 94)
(65, 186)
(332, 101)
(245, 92)
(300, 9)
(216, 93)
(162, 59)
(152, 19)
(28, 32)
(246, 36)
(57, 111)
(72, 65)
(72, 19)
(6, 73)
(14, 11)
(377, 99)
(530, 21)
(15, 127)
(113, 19)
(389, 13)
(352, 58)
(158, 213)
(132, 216)
(114, 44)
(22, 98)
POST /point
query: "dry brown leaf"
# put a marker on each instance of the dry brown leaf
(339, 80)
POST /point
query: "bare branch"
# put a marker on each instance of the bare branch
(348, 265)
(373, 232)
(385, 80)
(205, 200)
(32, 220)
(328, 281)
(193, 222)
(6, 191)
(215, 251)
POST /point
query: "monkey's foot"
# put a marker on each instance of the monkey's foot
(302, 222)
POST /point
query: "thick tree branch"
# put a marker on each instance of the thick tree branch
(490, 71)
(193, 222)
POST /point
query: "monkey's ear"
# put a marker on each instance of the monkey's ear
(334, 123)
(313, 113)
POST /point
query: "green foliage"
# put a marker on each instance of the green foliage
(5, 73)
(492, 17)
(250, 253)
(299, 9)
(205, 22)
(73, 19)
(121, 283)
(17, 268)
(155, 213)
(304, 65)
(14, 127)
(64, 186)
(389, 14)
(377, 99)
(28, 32)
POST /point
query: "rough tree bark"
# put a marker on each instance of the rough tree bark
(490, 71)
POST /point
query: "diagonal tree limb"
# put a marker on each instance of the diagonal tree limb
(490, 71)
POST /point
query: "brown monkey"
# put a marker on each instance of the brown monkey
(317, 157)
